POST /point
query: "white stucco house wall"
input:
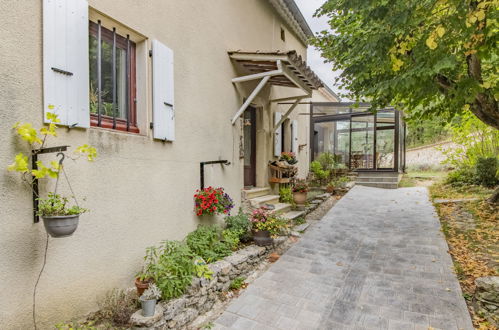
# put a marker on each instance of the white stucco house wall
(176, 105)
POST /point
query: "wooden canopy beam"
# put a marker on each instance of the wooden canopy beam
(286, 115)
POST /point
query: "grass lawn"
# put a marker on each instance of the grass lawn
(472, 232)
(421, 178)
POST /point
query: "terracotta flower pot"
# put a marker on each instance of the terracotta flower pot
(262, 238)
(300, 198)
(141, 286)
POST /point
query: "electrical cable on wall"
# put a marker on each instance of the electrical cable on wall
(38, 280)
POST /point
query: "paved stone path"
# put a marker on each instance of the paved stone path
(377, 260)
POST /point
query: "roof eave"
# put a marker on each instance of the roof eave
(292, 15)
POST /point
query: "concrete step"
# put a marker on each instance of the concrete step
(255, 192)
(256, 202)
(291, 215)
(378, 174)
(281, 208)
(377, 179)
(386, 185)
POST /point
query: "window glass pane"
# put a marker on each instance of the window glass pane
(362, 151)
(333, 137)
(94, 98)
(107, 78)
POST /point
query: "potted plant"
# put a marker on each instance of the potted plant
(148, 300)
(300, 189)
(265, 226)
(142, 281)
(59, 219)
(288, 157)
(210, 201)
(330, 187)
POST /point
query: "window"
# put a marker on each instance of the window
(112, 80)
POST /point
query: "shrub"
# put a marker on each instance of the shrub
(286, 195)
(240, 223)
(172, 266)
(237, 283)
(117, 306)
(462, 176)
(327, 161)
(319, 173)
(486, 171)
(206, 242)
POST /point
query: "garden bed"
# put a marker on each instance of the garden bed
(470, 227)
(204, 293)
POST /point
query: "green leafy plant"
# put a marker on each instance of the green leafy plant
(300, 220)
(320, 174)
(36, 139)
(231, 238)
(172, 265)
(55, 205)
(237, 283)
(486, 171)
(462, 176)
(286, 195)
(239, 223)
(206, 242)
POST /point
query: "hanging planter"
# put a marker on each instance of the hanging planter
(59, 219)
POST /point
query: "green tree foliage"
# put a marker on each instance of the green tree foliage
(428, 57)
(426, 132)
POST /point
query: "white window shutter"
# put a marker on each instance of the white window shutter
(65, 61)
(294, 136)
(162, 89)
(277, 135)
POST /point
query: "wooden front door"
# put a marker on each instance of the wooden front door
(250, 147)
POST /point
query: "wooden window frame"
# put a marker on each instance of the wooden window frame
(107, 121)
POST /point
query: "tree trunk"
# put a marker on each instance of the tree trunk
(485, 106)
(494, 199)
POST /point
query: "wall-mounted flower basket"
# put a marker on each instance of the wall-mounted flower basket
(211, 201)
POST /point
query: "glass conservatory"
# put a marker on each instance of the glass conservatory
(360, 139)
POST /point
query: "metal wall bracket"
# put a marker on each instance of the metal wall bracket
(202, 164)
(34, 160)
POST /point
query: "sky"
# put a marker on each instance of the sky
(314, 59)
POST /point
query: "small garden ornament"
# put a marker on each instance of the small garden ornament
(148, 300)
